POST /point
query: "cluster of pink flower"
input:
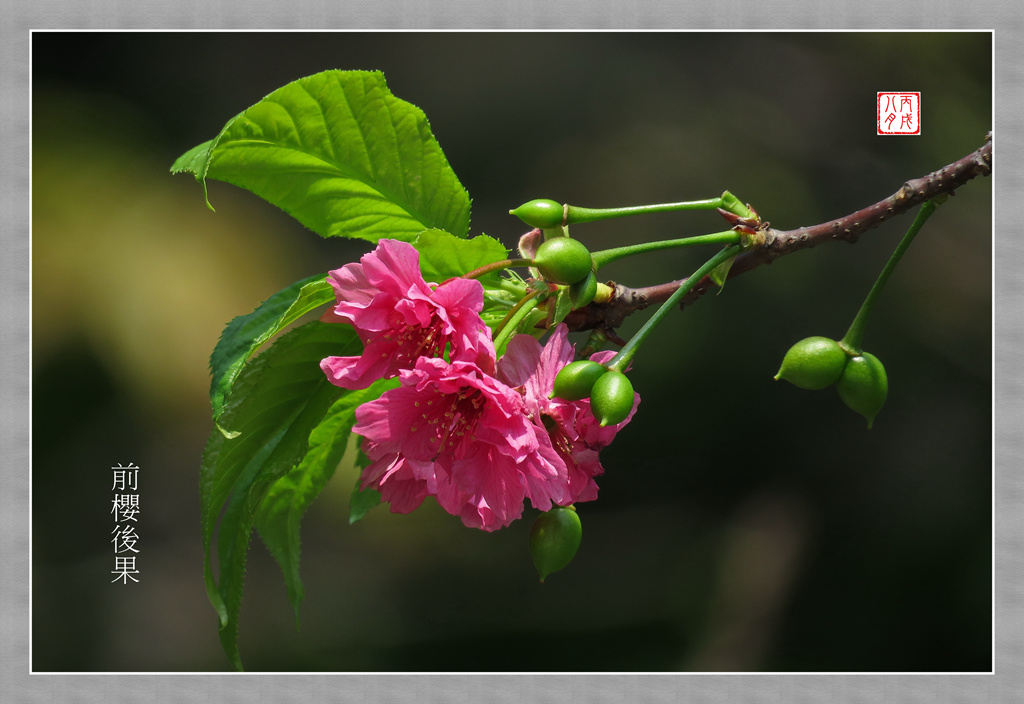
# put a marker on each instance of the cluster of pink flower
(478, 433)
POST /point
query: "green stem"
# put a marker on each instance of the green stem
(620, 361)
(511, 286)
(607, 256)
(576, 214)
(511, 321)
(497, 266)
(851, 342)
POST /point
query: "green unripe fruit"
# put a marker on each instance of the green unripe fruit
(563, 260)
(554, 539)
(576, 379)
(813, 363)
(582, 292)
(611, 398)
(863, 385)
(542, 213)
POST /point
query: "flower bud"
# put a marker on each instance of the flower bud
(575, 380)
(863, 385)
(554, 539)
(529, 242)
(563, 260)
(611, 398)
(813, 363)
(542, 213)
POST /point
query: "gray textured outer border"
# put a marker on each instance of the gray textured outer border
(18, 685)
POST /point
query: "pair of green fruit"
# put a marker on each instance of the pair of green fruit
(610, 391)
(818, 362)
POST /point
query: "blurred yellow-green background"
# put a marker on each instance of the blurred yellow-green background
(743, 524)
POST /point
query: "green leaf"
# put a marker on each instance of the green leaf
(444, 256)
(361, 503)
(497, 305)
(563, 305)
(194, 161)
(342, 155)
(361, 499)
(276, 402)
(721, 272)
(246, 333)
(279, 516)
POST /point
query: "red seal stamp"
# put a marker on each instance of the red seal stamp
(899, 113)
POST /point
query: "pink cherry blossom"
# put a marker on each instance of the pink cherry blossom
(574, 436)
(400, 317)
(454, 431)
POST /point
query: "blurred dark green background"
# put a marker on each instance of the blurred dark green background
(742, 525)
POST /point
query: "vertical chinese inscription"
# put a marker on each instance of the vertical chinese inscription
(899, 113)
(126, 515)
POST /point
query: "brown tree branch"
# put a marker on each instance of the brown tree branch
(777, 243)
